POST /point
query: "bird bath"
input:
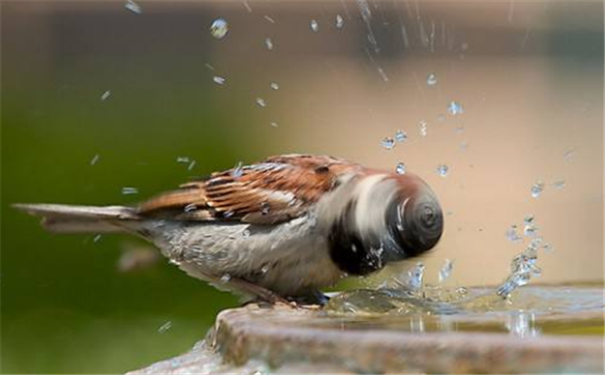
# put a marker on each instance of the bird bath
(540, 329)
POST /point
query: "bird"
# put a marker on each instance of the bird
(276, 230)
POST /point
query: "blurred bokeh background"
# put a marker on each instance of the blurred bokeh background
(96, 97)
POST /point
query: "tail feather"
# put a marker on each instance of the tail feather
(62, 218)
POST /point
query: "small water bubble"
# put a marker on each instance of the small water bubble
(388, 143)
(400, 169)
(401, 136)
(455, 108)
(559, 184)
(340, 22)
(133, 7)
(94, 159)
(219, 28)
(97, 238)
(165, 327)
(537, 189)
(219, 80)
(261, 102)
(246, 233)
(446, 270)
(443, 170)
(274, 86)
(225, 278)
(128, 190)
(269, 44)
(105, 95)
(183, 159)
(423, 128)
(431, 79)
(314, 26)
(274, 124)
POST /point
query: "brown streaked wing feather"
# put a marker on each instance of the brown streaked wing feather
(276, 190)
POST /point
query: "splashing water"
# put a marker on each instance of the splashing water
(105, 95)
(388, 143)
(219, 28)
(401, 136)
(446, 270)
(269, 44)
(416, 276)
(165, 327)
(536, 189)
(431, 79)
(314, 26)
(127, 190)
(455, 108)
(340, 22)
(400, 169)
(559, 184)
(423, 128)
(219, 80)
(261, 102)
(443, 170)
(133, 7)
(274, 86)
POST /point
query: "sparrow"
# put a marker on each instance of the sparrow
(281, 228)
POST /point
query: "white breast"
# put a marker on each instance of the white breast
(289, 258)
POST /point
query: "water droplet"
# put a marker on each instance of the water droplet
(133, 7)
(269, 44)
(225, 278)
(219, 80)
(274, 124)
(442, 170)
(271, 20)
(423, 128)
(94, 159)
(463, 145)
(182, 159)
(568, 155)
(446, 270)
(314, 26)
(97, 238)
(455, 108)
(529, 229)
(388, 143)
(105, 95)
(165, 327)
(559, 184)
(191, 165)
(431, 79)
(340, 22)
(416, 276)
(274, 86)
(261, 102)
(264, 269)
(459, 129)
(246, 233)
(512, 234)
(383, 75)
(237, 172)
(400, 169)
(127, 190)
(537, 189)
(400, 136)
(219, 28)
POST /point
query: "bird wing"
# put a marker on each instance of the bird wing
(275, 190)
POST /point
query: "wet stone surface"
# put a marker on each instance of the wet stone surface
(545, 330)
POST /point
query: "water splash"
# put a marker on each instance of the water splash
(400, 169)
(431, 79)
(340, 22)
(128, 190)
(219, 28)
(219, 80)
(446, 270)
(388, 143)
(400, 136)
(133, 7)
(314, 26)
(269, 44)
(455, 108)
(536, 189)
(423, 127)
(443, 170)
(105, 95)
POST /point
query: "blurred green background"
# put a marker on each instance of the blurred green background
(530, 77)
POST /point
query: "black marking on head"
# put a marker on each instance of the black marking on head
(322, 169)
(348, 250)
